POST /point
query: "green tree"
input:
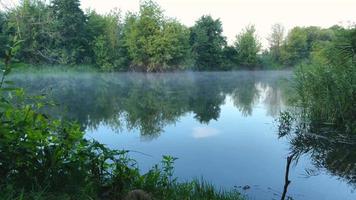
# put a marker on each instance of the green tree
(31, 21)
(3, 35)
(154, 43)
(248, 46)
(102, 53)
(69, 26)
(229, 58)
(300, 42)
(171, 46)
(275, 42)
(207, 43)
(104, 33)
(295, 47)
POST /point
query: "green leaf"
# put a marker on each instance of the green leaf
(5, 105)
(9, 82)
(8, 89)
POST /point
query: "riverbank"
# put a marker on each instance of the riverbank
(87, 68)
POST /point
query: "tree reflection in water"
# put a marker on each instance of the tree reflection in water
(329, 151)
(150, 102)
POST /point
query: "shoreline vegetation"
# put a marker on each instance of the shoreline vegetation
(59, 33)
(30, 68)
(43, 158)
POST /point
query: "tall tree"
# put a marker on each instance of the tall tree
(154, 43)
(275, 42)
(171, 47)
(207, 43)
(300, 42)
(248, 46)
(70, 24)
(31, 21)
(3, 35)
(104, 33)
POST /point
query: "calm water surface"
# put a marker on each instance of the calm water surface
(221, 126)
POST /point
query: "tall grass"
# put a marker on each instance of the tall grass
(326, 87)
(30, 68)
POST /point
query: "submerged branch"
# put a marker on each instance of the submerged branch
(286, 177)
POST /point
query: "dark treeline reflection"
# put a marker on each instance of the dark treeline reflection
(149, 102)
(328, 150)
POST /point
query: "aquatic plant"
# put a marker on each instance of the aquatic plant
(326, 88)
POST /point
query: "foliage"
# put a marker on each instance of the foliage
(69, 27)
(300, 42)
(106, 35)
(275, 43)
(3, 34)
(155, 43)
(230, 59)
(247, 46)
(295, 47)
(59, 32)
(326, 87)
(268, 61)
(207, 43)
(173, 48)
(31, 22)
(101, 52)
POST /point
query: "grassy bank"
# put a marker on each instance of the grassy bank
(30, 68)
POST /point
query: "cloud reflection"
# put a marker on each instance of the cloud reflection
(204, 132)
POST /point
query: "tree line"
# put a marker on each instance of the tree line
(60, 32)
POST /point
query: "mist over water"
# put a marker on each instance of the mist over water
(221, 126)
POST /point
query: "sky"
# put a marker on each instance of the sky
(236, 14)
